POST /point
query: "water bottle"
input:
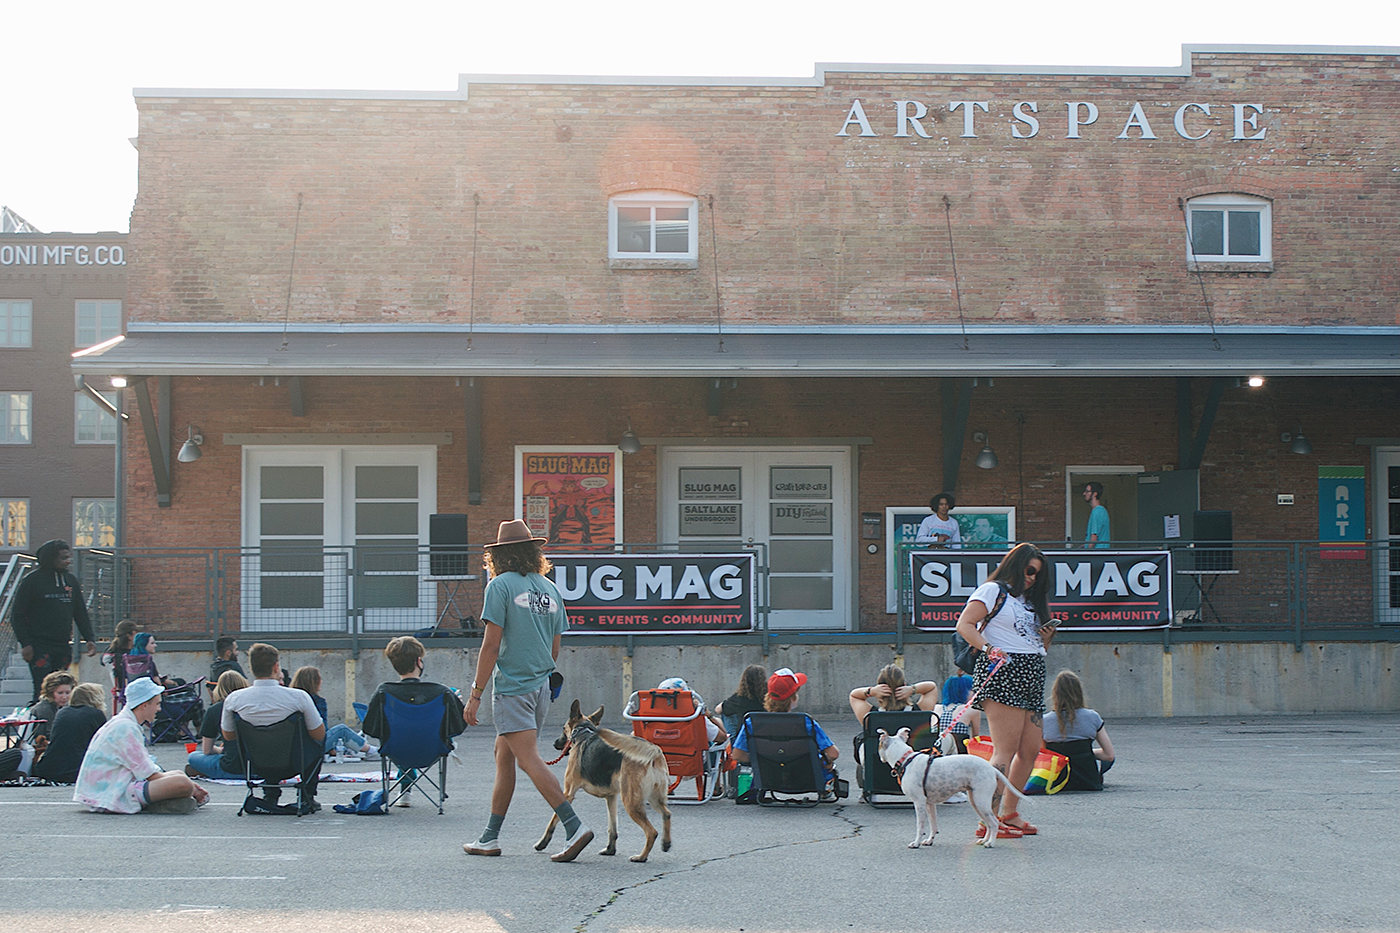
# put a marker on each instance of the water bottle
(339, 749)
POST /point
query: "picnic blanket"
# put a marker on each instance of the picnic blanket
(342, 777)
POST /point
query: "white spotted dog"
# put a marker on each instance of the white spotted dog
(927, 779)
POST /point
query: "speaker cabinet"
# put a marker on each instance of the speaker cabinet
(447, 546)
(1211, 526)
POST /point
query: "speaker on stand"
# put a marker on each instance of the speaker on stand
(450, 562)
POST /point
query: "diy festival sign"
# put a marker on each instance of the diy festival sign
(656, 593)
(1194, 120)
(1090, 591)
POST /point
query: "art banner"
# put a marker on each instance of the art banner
(1091, 590)
(1341, 510)
(570, 494)
(651, 593)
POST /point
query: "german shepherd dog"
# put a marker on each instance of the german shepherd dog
(610, 764)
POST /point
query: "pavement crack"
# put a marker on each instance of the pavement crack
(838, 813)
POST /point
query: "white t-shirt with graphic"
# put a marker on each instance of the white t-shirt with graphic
(1015, 629)
(933, 525)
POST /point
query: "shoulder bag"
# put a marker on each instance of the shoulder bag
(964, 655)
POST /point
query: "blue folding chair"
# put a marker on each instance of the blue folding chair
(414, 744)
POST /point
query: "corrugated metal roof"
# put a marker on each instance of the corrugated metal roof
(830, 353)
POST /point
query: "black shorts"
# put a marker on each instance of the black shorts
(1020, 682)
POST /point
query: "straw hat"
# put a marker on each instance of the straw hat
(515, 532)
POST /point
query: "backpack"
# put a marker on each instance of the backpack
(365, 803)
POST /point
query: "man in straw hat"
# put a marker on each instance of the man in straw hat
(525, 618)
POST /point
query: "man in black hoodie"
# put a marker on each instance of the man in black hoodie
(47, 603)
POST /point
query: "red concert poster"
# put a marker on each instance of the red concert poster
(570, 494)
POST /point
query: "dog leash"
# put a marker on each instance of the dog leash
(567, 746)
(953, 720)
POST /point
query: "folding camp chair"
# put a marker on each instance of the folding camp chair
(674, 721)
(277, 752)
(414, 742)
(181, 709)
(877, 780)
(786, 761)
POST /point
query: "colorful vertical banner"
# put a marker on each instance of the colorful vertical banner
(1341, 510)
(570, 494)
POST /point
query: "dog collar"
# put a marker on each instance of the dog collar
(903, 762)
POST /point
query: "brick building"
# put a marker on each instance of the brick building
(367, 303)
(59, 293)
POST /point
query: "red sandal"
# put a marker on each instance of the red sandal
(1026, 828)
(1003, 831)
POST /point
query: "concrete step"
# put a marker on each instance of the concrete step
(16, 687)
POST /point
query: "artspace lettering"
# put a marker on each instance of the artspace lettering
(1075, 119)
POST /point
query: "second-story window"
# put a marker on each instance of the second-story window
(652, 225)
(16, 323)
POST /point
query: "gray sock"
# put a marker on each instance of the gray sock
(568, 817)
(493, 827)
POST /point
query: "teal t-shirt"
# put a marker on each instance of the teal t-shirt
(1098, 525)
(531, 612)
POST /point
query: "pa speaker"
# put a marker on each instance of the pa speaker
(1215, 525)
(447, 546)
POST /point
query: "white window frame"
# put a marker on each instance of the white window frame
(8, 310)
(8, 423)
(106, 508)
(87, 411)
(80, 340)
(655, 199)
(8, 520)
(1227, 203)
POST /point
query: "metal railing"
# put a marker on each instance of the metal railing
(15, 568)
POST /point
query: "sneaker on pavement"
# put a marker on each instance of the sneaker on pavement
(482, 848)
(573, 845)
(959, 797)
(405, 801)
(174, 805)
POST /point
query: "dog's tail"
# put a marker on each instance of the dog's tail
(1009, 786)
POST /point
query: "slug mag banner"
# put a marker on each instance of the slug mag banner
(656, 593)
(1090, 590)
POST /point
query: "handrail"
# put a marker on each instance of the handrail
(9, 584)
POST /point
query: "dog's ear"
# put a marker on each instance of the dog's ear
(597, 716)
(903, 734)
(882, 733)
(575, 712)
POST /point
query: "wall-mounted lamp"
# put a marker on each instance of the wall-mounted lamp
(1300, 445)
(987, 459)
(189, 450)
(1256, 381)
(119, 382)
(629, 443)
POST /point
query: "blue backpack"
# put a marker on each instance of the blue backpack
(365, 803)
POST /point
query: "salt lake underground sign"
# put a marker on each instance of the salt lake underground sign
(651, 593)
(1090, 590)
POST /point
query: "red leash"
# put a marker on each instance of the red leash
(567, 746)
(963, 709)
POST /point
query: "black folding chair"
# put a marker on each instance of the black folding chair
(786, 761)
(877, 780)
(277, 752)
(181, 709)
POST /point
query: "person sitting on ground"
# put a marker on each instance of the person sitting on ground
(122, 640)
(118, 774)
(225, 659)
(956, 690)
(406, 654)
(748, 698)
(266, 702)
(53, 696)
(781, 698)
(1072, 730)
(71, 734)
(714, 728)
(308, 679)
(216, 758)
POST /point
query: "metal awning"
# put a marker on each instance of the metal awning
(342, 350)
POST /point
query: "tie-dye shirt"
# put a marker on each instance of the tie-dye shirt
(115, 766)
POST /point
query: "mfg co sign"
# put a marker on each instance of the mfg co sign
(651, 593)
(1090, 590)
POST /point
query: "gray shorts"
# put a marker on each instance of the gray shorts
(520, 713)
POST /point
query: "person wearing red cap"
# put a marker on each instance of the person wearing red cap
(782, 697)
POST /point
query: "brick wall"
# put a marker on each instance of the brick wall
(809, 227)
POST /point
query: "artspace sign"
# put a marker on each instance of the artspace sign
(657, 593)
(1091, 590)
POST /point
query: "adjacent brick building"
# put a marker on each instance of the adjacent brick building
(868, 276)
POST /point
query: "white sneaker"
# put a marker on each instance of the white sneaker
(405, 801)
(370, 753)
(482, 848)
(959, 797)
(573, 845)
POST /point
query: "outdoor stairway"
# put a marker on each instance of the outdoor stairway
(16, 687)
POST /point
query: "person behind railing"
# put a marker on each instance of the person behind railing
(308, 679)
(72, 732)
(1071, 729)
(122, 640)
(216, 758)
(747, 698)
(47, 603)
(118, 774)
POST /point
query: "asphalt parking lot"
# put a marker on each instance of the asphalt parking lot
(1260, 824)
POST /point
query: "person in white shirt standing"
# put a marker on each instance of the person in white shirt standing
(940, 529)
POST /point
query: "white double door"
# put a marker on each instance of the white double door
(795, 500)
(329, 528)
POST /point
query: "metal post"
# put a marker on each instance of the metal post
(900, 554)
(1297, 585)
